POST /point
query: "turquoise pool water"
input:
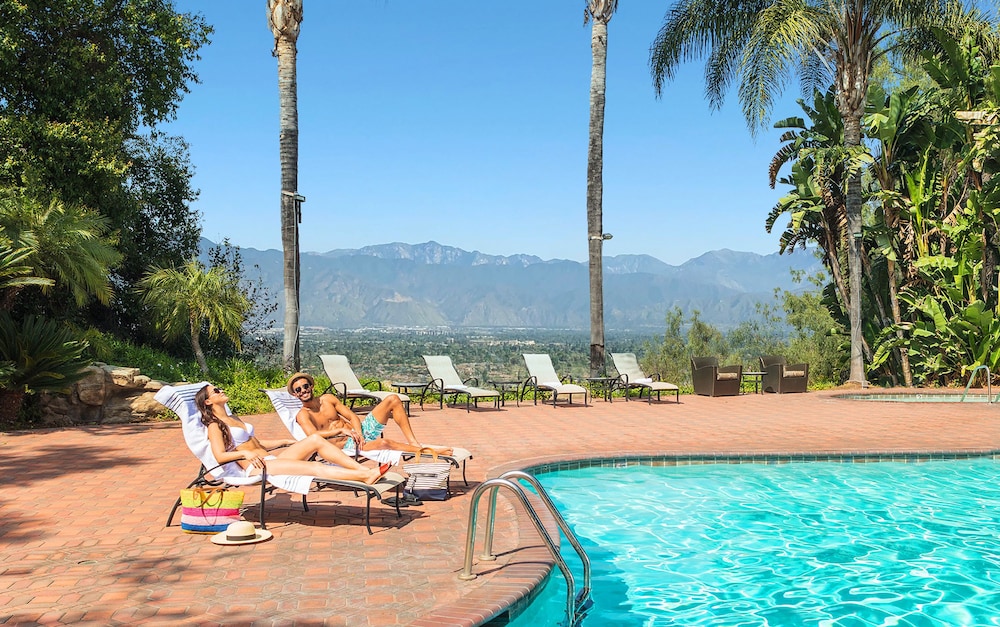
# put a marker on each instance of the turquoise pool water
(918, 397)
(826, 544)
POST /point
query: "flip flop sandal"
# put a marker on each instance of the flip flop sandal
(392, 502)
(410, 499)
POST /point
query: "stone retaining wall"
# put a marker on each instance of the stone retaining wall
(107, 395)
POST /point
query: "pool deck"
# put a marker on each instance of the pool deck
(82, 510)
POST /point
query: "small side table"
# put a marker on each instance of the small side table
(405, 388)
(604, 385)
(506, 386)
(754, 377)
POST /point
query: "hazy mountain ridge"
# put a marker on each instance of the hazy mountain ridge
(433, 285)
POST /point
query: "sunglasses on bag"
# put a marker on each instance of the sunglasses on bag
(302, 388)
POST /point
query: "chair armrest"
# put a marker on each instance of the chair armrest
(473, 381)
(373, 382)
(336, 387)
(434, 384)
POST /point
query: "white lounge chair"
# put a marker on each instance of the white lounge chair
(347, 385)
(288, 407)
(632, 376)
(542, 376)
(180, 400)
(445, 380)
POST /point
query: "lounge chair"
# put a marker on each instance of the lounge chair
(445, 380)
(711, 379)
(542, 376)
(782, 378)
(631, 376)
(346, 384)
(180, 400)
(288, 407)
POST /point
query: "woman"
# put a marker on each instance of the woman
(233, 440)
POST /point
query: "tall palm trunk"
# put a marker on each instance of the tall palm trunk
(284, 17)
(852, 87)
(199, 354)
(600, 11)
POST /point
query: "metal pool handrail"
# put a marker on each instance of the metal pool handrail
(989, 386)
(576, 605)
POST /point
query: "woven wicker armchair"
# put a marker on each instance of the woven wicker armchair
(711, 379)
(782, 378)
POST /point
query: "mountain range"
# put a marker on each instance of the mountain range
(431, 285)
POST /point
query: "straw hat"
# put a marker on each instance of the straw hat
(299, 375)
(241, 532)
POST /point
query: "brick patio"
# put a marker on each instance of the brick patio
(82, 511)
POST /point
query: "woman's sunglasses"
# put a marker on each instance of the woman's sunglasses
(302, 388)
(216, 390)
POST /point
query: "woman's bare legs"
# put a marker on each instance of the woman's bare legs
(304, 449)
(281, 466)
(392, 408)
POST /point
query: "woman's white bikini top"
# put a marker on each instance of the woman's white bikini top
(241, 435)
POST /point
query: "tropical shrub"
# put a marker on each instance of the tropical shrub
(36, 355)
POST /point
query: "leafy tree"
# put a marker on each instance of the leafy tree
(599, 13)
(256, 340)
(80, 82)
(187, 300)
(284, 18)
(763, 42)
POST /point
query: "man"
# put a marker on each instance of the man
(330, 418)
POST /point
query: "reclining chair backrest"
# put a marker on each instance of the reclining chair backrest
(540, 366)
(628, 365)
(287, 407)
(339, 370)
(440, 367)
(180, 400)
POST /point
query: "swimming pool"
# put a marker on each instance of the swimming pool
(920, 397)
(830, 544)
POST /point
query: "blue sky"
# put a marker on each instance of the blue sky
(466, 123)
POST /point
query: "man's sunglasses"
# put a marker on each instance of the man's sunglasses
(302, 388)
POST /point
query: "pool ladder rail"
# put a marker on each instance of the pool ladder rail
(989, 384)
(577, 605)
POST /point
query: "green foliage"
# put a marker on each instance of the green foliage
(40, 355)
(68, 245)
(187, 300)
(79, 79)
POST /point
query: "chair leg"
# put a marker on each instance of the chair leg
(173, 511)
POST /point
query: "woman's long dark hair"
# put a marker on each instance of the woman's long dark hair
(207, 417)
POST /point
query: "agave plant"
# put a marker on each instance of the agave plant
(36, 355)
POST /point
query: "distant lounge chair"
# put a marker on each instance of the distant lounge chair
(711, 379)
(631, 376)
(346, 384)
(781, 378)
(445, 380)
(542, 376)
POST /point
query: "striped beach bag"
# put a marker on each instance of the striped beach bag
(209, 510)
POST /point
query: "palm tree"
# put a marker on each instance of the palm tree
(599, 12)
(61, 244)
(284, 17)
(188, 299)
(762, 42)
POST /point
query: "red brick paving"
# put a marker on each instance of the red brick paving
(82, 511)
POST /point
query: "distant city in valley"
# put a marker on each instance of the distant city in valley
(429, 286)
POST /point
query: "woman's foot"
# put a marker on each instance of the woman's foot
(375, 475)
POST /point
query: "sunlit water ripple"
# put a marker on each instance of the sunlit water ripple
(796, 544)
